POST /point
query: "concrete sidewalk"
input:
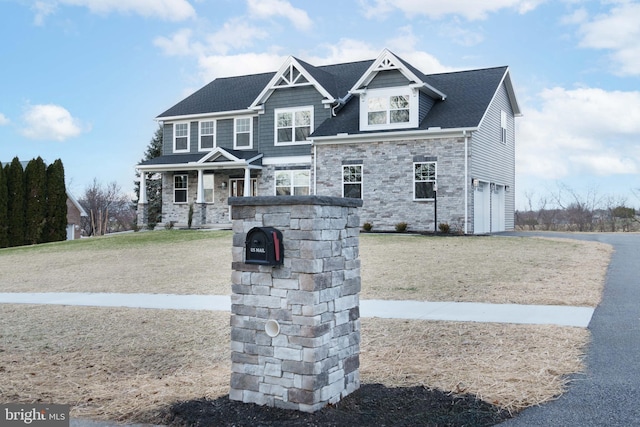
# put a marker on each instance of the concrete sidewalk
(448, 311)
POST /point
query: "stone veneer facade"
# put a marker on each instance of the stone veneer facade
(388, 180)
(314, 297)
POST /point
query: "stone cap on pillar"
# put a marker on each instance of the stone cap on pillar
(295, 200)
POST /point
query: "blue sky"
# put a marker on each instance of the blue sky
(82, 80)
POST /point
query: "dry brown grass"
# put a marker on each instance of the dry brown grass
(404, 267)
(129, 364)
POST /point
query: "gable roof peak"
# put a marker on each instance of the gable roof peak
(387, 61)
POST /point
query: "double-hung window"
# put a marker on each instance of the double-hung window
(207, 139)
(180, 137)
(180, 188)
(293, 126)
(389, 108)
(424, 180)
(243, 133)
(292, 182)
(352, 181)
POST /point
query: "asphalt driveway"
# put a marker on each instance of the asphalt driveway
(608, 393)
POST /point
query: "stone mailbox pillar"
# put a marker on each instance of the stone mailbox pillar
(295, 327)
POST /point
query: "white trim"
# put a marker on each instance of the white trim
(435, 179)
(218, 115)
(175, 150)
(293, 110)
(292, 185)
(286, 66)
(388, 61)
(215, 134)
(186, 189)
(345, 138)
(361, 182)
(386, 93)
(288, 160)
(235, 134)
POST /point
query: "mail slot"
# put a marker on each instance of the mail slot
(264, 246)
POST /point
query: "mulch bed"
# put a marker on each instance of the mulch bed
(372, 404)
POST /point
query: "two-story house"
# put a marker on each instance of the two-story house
(423, 149)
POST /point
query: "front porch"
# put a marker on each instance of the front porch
(196, 187)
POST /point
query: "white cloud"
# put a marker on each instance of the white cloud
(3, 120)
(235, 34)
(582, 131)
(50, 122)
(470, 9)
(42, 9)
(213, 66)
(178, 44)
(619, 32)
(269, 8)
(170, 10)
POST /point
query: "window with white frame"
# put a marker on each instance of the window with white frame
(293, 126)
(503, 127)
(352, 181)
(180, 188)
(207, 139)
(207, 187)
(243, 133)
(180, 137)
(236, 187)
(292, 182)
(389, 108)
(424, 180)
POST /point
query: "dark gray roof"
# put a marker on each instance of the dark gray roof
(178, 159)
(237, 93)
(468, 96)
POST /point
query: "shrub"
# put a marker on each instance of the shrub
(444, 227)
(169, 225)
(367, 226)
(401, 227)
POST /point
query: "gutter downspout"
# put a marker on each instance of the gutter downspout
(315, 168)
(466, 182)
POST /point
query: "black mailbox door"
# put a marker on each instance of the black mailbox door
(264, 246)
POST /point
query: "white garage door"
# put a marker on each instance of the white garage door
(482, 209)
(497, 209)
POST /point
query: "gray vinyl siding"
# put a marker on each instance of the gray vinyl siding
(388, 79)
(167, 139)
(288, 98)
(491, 160)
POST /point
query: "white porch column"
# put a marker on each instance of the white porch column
(143, 188)
(247, 182)
(200, 195)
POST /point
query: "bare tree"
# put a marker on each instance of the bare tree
(108, 208)
(579, 207)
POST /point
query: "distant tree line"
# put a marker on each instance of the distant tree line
(568, 210)
(33, 203)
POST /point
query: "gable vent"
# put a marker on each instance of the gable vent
(291, 77)
(387, 64)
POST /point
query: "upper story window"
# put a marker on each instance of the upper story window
(424, 180)
(293, 126)
(389, 108)
(207, 139)
(243, 133)
(180, 137)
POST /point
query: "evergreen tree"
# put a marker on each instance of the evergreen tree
(154, 183)
(4, 197)
(35, 179)
(56, 225)
(15, 202)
